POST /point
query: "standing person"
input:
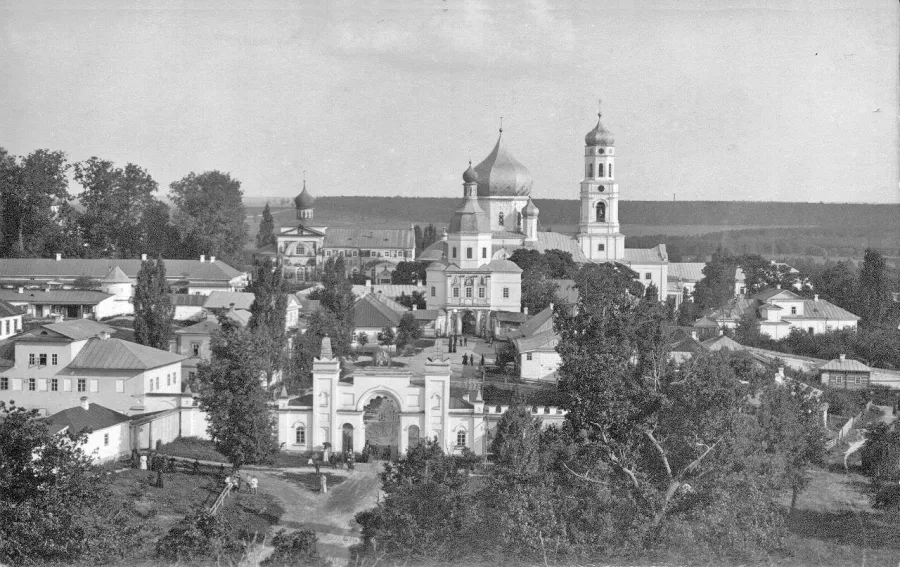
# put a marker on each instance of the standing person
(317, 465)
(351, 459)
(254, 483)
(482, 361)
(465, 360)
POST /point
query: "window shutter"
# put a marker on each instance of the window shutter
(67, 385)
(95, 385)
(42, 384)
(120, 386)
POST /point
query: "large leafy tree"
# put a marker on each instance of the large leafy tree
(408, 331)
(153, 311)
(409, 273)
(30, 189)
(308, 346)
(117, 203)
(716, 286)
(837, 284)
(55, 505)
(873, 289)
(268, 311)
(232, 394)
(266, 234)
(210, 215)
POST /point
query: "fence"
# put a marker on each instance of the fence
(847, 428)
(214, 509)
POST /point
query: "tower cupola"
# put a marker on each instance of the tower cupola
(599, 136)
(304, 202)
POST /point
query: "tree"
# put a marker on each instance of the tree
(560, 264)
(210, 215)
(716, 286)
(387, 336)
(747, 330)
(837, 284)
(415, 299)
(266, 234)
(116, 205)
(408, 330)
(153, 311)
(85, 282)
(881, 453)
(409, 273)
(874, 292)
(362, 338)
(30, 188)
(687, 311)
(538, 291)
(308, 346)
(240, 423)
(424, 237)
(267, 315)
(56, 506)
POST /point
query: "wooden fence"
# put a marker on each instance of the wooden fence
(214, 509)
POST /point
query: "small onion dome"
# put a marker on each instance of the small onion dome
(304, 200)
(469, 176)
(599, 136)
(530, 209)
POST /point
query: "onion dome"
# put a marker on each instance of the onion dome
(501, 175)
(599, 136)
(470, 218)
(530, 209)
(469, 176)
(304, 200)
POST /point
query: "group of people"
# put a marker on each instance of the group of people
(336, 460)
(237, 482)
(468, 360)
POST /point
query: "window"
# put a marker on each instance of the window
(610, 170)
(195, 349)
(356, 252)
(793, 310)
(468, 292)
(460, 438)
(31, 359)
(106, 439)
(527, 356)
(168, 379)
(4, 383)
(506, 293)
(839, 379)
(42, 359)
(484, 252)
(601, 212)
(7, 326)
(82, 384)
(454, 252)
(647, 276)
(810, 330)
(300, 435)
(500, 219)
(433, 291)
(856, 379)
(54, 359)
(481, 293)
(469, 253)
(157, 382)
(32, 384)
(601, 247)
(589, 170)
(54, 384)
(600, 170)
(456, 292)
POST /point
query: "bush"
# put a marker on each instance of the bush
(295, 548)
(202, 535)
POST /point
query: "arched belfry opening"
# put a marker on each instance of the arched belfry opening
(601, 212)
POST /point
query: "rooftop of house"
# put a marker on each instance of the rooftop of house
(227, 299)
(116, 354)
(686, 271)
(72, 329)
(369, 312)
(188, 299)
(77, 419)
(540, 322)
(9, 310)
(369, 238)
(98, 268)
(54, 296)
(844, 364)
(655, 255)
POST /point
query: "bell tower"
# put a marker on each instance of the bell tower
(598, 229)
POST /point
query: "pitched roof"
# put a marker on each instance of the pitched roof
(733, 310)
(721, 342)
(537, 341)
(558, 241)
(389, 290)
(54, 296)
(655, 255)
(848, 364)
(115, 275)
(77, 419)
(8, 310)
(435, 251)
(427, 314)
(97, 268)
(540, 322)
(826, 310)
(370, 238)
(206, 327)
(116, 354)
(690, 271)
(75, 329)
(239, 316)
(188, 299)
(224, 299)
(705, 322)
(776, 293)
(368, 312)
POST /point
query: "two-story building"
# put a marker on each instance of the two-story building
(10, 320)
(52, 366)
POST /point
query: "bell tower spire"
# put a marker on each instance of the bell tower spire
(598, 229)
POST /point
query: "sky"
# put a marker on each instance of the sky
(708, 99)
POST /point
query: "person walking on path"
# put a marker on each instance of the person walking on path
(465, 360)
(317, 465)
(254, 483)
(465, 341)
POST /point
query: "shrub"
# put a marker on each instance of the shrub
(198, 536)
(295, 548)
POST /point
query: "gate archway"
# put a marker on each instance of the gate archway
(381, 419)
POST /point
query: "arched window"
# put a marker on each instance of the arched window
(301, 249)
(500, 219)
(610, 170)
(600, 170)
(519, 220)
(589, 170)
(601, 212)
(461, 438)
(300, 438)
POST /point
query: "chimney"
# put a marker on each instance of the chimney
(202, 257)
(721, 332)
(551, 306)
(212, 259)
(58, 317)
(843, 357)
(694, 335)
(103, 335)
(465, 397)
(143, 257)
(415, 307)
(781, 370)
(21, 289)
(816, 297)
(368, 283)
(84, 403)
(525, 310)
(58, 256)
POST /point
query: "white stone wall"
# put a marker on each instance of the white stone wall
(541, 364)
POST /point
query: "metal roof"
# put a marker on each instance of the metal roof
(690, 271)
(558, 241)
(8, 310)
(538, 341)
(369, 312)
(188, 299)
(402, 238)
(77, 419)
(225, 299)
(846, 365)
(75, 329)
(541, 321)
(826, 310)
(97, 268)
(116, 354)
(653, 255)
(116, 275)
(54, 296)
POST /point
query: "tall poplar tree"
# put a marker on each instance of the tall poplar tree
(153, 311)
(266, 234)
(267, 319)
(716, 286)
(873, 291)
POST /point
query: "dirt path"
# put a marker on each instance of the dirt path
(330, 515)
